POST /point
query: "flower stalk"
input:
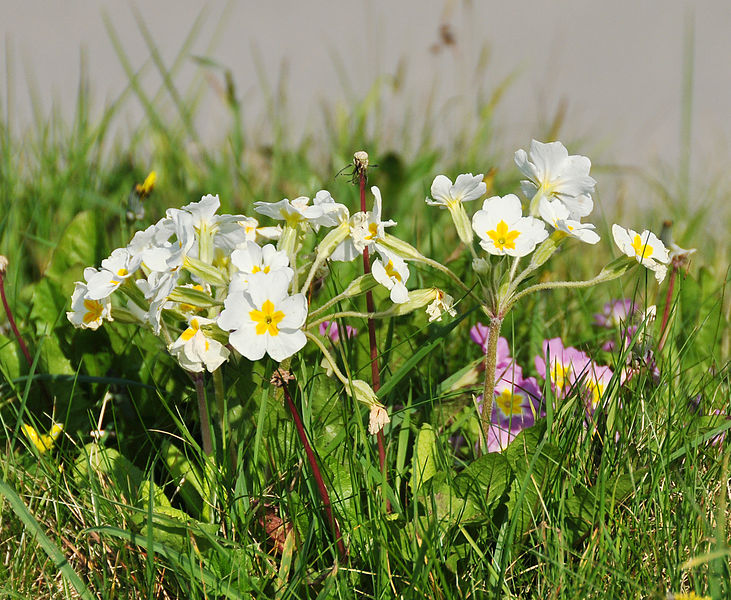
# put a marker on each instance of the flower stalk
(361, 169)
(9, 313)
(203, 412)
(322, 490)
(488, 392)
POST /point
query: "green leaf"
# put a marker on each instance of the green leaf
(451, 506)
(78, 248)
(534, 464)
(486, 480)
(185, 476)
(47, 303)
(424, 466)
(96, 460)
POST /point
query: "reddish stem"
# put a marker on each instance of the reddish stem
(371, 307)
(324, 496)
(666, 311)
(16, 332)
(13, 326)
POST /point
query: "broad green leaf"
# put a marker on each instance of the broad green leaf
(185, 476)
(96, 460)
(79, 247)
(485, 480)
(424, 466)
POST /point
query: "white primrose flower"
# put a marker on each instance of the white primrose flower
(552, 172)
(116, 269)
(504, 230)
(264, 319)
(251, 258)
(644, 247)
(292, 213)
(393, 275)
(466, 187)
(86, 313)
(555, 213)
(333, 213)
(365, 231)
(442, 303)
(194, 349)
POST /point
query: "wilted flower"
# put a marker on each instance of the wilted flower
(442, 303)
(504, 230)
(377, 419)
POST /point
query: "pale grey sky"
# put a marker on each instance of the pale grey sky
(617, 65)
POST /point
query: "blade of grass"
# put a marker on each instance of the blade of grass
(35, 529)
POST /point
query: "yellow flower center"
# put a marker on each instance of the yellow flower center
(502, 237)
(391, 271)
(372, 231)
(509, 403)
(597, 389)
(643, 250)
(257, 269)
(267, 319)
(188, 334)
(94, 311)
(558, 375)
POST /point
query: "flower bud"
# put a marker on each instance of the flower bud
(192, 297)
(363, 393)
(401, 248)
(332, 240)
(461, 222)
(204, 271)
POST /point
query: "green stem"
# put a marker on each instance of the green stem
(203, 412)
(328, 357)
(344, 314)
(346, 293)
(549, 285)
(220, 405)
(488, 391)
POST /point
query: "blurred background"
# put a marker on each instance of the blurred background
(634, 85)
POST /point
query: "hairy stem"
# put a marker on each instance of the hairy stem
(488, 391)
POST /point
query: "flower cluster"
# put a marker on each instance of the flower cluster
(571, 371)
